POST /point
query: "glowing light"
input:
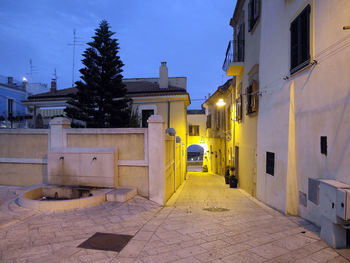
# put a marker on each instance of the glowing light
(24, 79)
(221, 103)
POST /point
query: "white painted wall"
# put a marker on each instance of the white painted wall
(322, 95)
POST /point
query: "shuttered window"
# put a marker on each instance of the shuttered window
(239, 108)
(209, 121)
(253, 13)
(300, 41)
(193, 130)
(252, 98)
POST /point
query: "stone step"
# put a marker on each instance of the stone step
(121, 194)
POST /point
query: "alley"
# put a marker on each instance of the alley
(205, 221)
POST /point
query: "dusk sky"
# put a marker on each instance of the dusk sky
(190, 35)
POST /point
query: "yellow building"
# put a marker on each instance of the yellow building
(219, 109)
(242, 63)
(165, 96)
(196, 140)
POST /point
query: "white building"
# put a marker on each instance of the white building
(304, 114)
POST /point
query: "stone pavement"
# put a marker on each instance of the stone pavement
(180, 232)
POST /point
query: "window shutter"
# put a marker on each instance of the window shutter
(250, 15)
(197, 130)
(239, 108)
(249, 99)
(255, 96)
(256, 9)
(209, 121)
(300, 40)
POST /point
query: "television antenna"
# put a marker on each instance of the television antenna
(76, 42)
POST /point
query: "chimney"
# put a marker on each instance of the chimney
(163, 76)
(10, 80)
(53, 86)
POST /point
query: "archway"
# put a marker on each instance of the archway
(195, 154)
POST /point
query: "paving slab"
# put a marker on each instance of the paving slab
(244, 231)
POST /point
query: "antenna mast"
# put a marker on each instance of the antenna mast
(74, 43)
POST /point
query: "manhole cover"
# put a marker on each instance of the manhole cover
(215, 209)
(106, 241)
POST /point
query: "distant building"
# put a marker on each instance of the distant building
(196, 140)
(219, 110)
(165, 96)
(12, 110)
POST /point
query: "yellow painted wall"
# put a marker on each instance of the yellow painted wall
(23, 145)
(124, 142)
(169, 167)
(178, 121)
(22, 174)
(246, 140)
(134, 176)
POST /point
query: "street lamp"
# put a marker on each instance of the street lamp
(220, 103)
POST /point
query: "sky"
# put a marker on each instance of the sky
(190, 35)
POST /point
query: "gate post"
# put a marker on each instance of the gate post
(156, 151)
(57, 137)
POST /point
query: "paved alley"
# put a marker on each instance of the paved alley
(205, 221)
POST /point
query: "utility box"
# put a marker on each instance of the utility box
(83, 166)
(343, 204)
(328, 198)
(334, 210)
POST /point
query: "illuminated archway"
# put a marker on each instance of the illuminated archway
(195, 155)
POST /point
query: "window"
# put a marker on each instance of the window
(253, 13)
(300, 41)
(145, 115)
(239, 108)
(209, 121)
(324, 145)
(193, 130)
(239, 44)
(252, 98)
(270, 163)
(10, 108)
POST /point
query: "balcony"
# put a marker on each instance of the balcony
(234, 60)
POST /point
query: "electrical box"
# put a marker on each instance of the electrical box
(343, 204)
(329, 200)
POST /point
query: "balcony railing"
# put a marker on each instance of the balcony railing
(234, 53)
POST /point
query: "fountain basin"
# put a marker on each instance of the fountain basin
(58, 198)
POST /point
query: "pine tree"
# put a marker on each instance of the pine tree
(101, 99)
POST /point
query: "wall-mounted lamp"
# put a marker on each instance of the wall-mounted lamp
(221, 103)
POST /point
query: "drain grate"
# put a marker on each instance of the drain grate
(216, 209)
(106, 241)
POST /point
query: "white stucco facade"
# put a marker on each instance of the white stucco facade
(296, 110)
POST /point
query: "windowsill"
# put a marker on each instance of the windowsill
(303, 68)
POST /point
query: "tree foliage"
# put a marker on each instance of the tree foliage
(100, 100)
